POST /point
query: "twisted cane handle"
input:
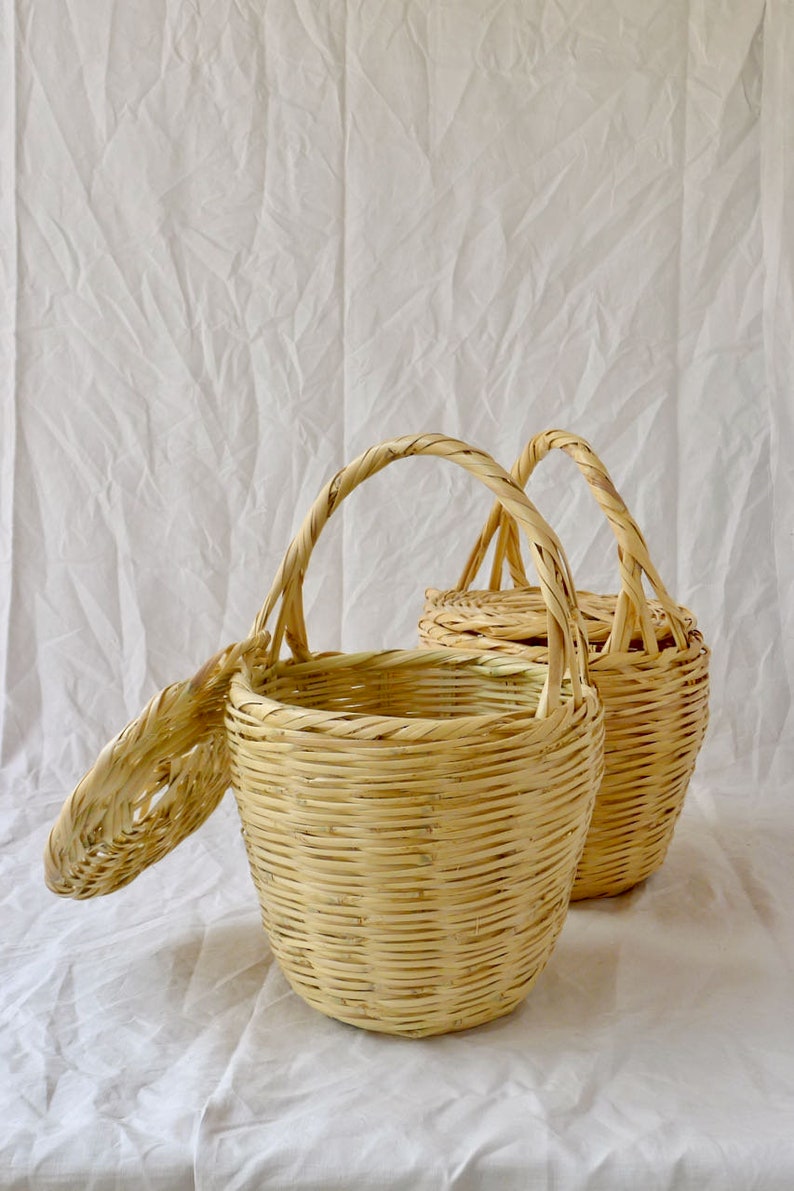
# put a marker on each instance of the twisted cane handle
(632, 606)
(567, 651)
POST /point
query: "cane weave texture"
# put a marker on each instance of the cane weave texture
(647, 659)
(413, 819)
(150, 787)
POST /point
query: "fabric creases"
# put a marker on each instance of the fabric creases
(239, 244)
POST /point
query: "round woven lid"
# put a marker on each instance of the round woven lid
(150, 787)
(519, 615)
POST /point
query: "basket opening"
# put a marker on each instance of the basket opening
(415, 691)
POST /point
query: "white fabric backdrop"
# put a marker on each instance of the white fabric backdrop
(239, 243)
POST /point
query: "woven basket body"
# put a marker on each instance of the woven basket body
(413, 819)
(647, 660)
(412, 830)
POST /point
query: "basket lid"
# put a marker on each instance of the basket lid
(149, 788)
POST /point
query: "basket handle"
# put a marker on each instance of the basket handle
(567, 648)
(631, 610)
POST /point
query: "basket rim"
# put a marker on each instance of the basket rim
(245, 699)
(471, 598)
(598, 660)
(516, 595)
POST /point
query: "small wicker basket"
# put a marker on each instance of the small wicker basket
(413, 819)
(647, 660)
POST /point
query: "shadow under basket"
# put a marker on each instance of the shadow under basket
(412, 828)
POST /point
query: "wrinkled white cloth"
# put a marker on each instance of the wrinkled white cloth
(238, 245)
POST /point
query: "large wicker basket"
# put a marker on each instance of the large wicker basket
(413, 819)
(647, 659)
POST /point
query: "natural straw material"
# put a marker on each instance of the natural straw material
(150, 787)
(413, 820)
(648, 661)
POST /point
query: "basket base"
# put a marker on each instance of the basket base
(424, 1022)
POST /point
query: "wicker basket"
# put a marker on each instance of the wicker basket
(647, 659)
(413, 819)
